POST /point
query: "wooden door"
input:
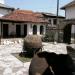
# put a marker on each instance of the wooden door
(5, 30)
(25, 30)
(67, 34)
(18, 30)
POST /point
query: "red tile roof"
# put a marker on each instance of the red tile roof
(24, 16)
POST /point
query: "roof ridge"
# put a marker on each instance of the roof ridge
(68, 4)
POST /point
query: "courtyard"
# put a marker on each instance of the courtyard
(10, 65)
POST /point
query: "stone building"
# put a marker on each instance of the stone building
(52, 27)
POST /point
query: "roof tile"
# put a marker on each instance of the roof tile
(25, 16)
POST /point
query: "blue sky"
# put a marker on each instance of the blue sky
(38, 5)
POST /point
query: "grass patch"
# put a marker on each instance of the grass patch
(22, 58)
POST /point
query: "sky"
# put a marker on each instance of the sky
(49, 6)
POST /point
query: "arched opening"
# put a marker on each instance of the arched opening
(41, 29)
(67, 34)
(34, 29)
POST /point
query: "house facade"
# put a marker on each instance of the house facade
(52, 18)
(69, 29)
(51, 28)
(19, 23)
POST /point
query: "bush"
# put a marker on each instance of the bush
(49, 36)
(32, 43)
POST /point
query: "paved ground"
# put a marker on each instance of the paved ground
(9, 65)
(73, 46)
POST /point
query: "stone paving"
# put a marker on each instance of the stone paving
(56, 48)
(10, 65)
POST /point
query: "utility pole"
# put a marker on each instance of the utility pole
(57, 24)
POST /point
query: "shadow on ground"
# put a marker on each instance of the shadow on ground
(24, 58)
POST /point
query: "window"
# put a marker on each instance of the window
(54, 21)
(34, 29)
(50, 21)
(41, 29)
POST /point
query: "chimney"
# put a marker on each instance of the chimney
(2, 1)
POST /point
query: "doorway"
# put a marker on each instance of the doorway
(67, 34)
(25, 30)
(18, 30)
(5, 30)
(34, 30)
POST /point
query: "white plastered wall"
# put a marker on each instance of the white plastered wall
(73, 34)
(70, 12)
(29, 29)
(73, 29)
(44, 29)
(12, 28)
(38, 29)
